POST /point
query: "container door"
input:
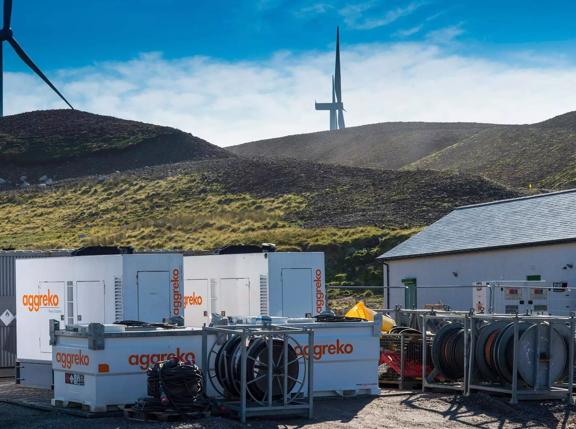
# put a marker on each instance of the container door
(153, 296)
(234, 297)
(297, 292)
(49, 305)
(90, 304)
(196, 301)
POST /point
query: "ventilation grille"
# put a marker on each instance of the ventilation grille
(70, 303)
(264, 310)
(213, 296)
(118, 300)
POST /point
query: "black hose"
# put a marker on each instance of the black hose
(177, 385)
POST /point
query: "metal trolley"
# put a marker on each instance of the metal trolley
(291, 398)
(542, 362)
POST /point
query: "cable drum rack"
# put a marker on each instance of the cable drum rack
(415, 321)
(254, 347)
(542, 352)
(446, 321)
(404, 348)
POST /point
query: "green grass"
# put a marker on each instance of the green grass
(182, 212)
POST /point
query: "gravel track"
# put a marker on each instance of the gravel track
(391, 409)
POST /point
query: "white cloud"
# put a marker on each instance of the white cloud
(234, 102)
(445, 35)
(364, 16)
(407, 32)
(313, 10)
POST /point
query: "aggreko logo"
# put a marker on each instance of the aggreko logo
(192, 299)
(67, 359)
(320, 302)
(320, 350)
(33, 302)
(150, 359)
(177, 296)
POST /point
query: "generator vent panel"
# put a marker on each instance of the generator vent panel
(118, 304)
(213, 296)
(264, 310)
(70, 303)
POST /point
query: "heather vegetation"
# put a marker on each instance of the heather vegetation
(171, 213)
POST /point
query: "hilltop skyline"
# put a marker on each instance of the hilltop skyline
(232, 72)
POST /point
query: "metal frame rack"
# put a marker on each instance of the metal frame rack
(428, 377)
(516, 390)
(246, 405)
(404, 343)
(416, 317)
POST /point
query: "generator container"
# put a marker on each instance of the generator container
(85, 289)
(8, 302)
(289, 284)
(345, 354)
(524, 297)
(102, 366)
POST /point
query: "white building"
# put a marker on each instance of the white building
(529, 238)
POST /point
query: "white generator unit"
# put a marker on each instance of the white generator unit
(106, 366)
(523, 297)
(84, 289)
(346, 356)
(289, 284)
(99, 366)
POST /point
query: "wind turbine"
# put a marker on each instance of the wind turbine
(336, 107)
(6, 35)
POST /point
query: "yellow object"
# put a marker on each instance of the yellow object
(362, 312)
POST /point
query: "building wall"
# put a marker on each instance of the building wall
(448, 279)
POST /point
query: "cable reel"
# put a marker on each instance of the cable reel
(225, 363)
(542, 352)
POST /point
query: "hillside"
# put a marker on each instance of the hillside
(353, 214)
(71, 143)
(541, 155)
(389, 145)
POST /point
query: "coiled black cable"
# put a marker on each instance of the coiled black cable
(176, 385)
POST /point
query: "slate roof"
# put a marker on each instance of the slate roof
(540, 219)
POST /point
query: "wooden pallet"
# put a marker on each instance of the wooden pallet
(133, 413)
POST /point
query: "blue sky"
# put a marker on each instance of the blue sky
(233, 71)
(75, 33)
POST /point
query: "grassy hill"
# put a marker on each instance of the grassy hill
(541, 154)
(352, 214)
(388, 145)
(71, 143)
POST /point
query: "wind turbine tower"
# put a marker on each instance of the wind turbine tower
(6, 35)
(336, 107)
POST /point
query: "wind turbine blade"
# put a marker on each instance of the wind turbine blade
(35, 68)
(337, 75)
(7, 13)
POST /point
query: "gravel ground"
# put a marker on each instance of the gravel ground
(390, 410)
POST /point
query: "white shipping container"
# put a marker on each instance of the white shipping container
(289, 284)
(85, 289)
